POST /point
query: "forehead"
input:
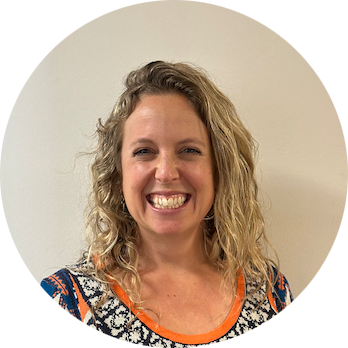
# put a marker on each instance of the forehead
(167, 116)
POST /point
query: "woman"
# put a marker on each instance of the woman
(175, 230)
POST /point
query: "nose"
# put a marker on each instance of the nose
(166, 169)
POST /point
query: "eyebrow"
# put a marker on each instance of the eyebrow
(183, 141)
(192, 141)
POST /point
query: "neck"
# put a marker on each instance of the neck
(175, 252)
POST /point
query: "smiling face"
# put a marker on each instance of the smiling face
(167, 166)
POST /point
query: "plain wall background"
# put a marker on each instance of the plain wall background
(302, 160)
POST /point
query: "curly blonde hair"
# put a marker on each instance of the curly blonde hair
(234, 237)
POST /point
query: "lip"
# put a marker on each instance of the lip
(168, 194)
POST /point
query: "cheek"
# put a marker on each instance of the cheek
(202, 180)
(132, 190)
(201, 174)
(135, 178)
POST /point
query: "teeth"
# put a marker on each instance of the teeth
(172, 202)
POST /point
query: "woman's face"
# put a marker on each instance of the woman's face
(167, 166)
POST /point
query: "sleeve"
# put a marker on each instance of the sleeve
(281, 292)
(59, 286)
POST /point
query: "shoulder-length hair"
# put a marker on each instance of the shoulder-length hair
(234, 236)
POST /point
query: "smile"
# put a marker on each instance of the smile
(168, 202)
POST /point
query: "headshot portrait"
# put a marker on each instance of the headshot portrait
(173, 174)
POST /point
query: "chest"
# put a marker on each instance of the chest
(188, 305)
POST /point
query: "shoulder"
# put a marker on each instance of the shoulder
(60, 286)
(58, 283)
(73, 290)
(281, 291)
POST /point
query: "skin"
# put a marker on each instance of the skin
(165, 151)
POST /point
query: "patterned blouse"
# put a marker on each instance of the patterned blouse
(78, 293)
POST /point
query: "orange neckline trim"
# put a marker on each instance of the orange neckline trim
(189, 339)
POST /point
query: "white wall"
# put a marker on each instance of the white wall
(302, 161)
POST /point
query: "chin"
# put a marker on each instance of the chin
(173, 229)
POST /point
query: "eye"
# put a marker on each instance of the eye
(192, 151)
(141, 152)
